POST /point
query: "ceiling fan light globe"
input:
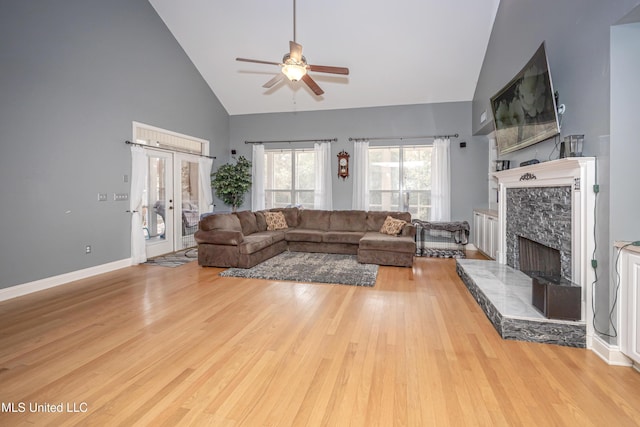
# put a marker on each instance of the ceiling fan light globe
(294, 72)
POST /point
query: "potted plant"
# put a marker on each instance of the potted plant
(232, 181)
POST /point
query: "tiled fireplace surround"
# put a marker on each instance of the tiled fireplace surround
(550, 203)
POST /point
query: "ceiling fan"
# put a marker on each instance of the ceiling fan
(294, 65)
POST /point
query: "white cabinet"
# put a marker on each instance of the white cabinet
(478, 229)
(485, 231)
(630, 302)
(491, 233)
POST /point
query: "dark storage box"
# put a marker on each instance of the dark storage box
(556, 298)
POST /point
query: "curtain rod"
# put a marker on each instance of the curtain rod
(402, 138)
(289, 141)
(166, 149)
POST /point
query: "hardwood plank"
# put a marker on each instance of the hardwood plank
(154, 346)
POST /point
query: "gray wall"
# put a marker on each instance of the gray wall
(625, 143)
(578, 48)
(74, 75)
(469, 165)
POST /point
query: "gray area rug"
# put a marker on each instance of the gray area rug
(311, 267)
(175, 259)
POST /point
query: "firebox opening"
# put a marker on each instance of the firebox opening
(553, 295)
(537, 259)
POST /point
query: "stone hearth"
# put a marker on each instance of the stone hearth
(504, 294)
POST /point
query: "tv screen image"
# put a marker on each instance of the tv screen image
(524, 111)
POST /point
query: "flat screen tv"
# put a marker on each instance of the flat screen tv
(524, 111)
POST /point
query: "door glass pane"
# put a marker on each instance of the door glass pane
(153, 224)
(189, 190)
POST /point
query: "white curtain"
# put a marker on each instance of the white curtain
(257, 178)
(440, 181)
(139, 171)
(323, 196)
(360, 174)
(204, 177)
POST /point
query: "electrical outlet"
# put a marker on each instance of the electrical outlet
(87, 249)
(120, 197)
(102, 197)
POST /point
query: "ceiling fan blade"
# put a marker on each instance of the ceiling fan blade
(273, 81)
(257, 61)
(312, 84)
(328, 69)
(295, 51)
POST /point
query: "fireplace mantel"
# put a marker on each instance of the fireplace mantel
(577, 173)
(557, 171)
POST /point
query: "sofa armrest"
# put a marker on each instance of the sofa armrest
(408, 230)
(219, 237)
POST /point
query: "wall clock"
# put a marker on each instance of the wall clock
(343, 164)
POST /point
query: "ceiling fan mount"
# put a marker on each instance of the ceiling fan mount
(294, 65)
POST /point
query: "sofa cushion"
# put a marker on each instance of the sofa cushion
(304, 235)
(373, 240)
(247, 222)
(220, 222)
(311, 219)
(350, 237)
(290, 214)
(254, 243)
(392, 226)
(348, 221)
(275, 221)
(260, 221)
(375, 219)
(276, 235)
(219, 237)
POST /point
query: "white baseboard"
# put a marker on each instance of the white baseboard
(609, 353)
(50, 282)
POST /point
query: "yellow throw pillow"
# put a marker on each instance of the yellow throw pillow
(392, 226)
(275, 221)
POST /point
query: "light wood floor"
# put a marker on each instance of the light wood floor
(150, 345)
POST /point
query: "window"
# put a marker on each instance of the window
(400, 179)
(289, 178)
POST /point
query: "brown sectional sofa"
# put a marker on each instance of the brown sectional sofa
(241, 239)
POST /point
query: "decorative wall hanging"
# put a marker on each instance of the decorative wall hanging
(343, 164)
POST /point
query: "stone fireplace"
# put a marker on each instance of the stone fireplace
(545, 227)
(551, 204)
(541, 215)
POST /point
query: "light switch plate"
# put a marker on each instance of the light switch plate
(120, 197)
(102, 197)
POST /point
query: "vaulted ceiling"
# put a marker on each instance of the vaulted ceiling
(398, 52)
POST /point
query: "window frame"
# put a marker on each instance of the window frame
(402, 190)
(294, 192)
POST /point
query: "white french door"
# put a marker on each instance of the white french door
(172, 202)
(158, 212)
